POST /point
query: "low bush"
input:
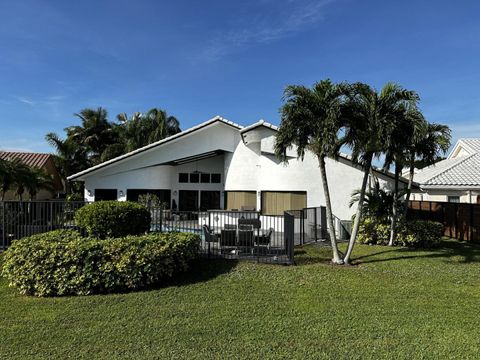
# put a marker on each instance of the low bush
(372, 232)
(61, 262)
(420, 234)
(113, 219)
(415, 233)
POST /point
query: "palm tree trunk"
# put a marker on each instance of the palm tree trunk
(393, 220)
(358, 214)
(331, 229)
(409, 187)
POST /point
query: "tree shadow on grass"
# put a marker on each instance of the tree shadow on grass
(448, 250)
(201, 270)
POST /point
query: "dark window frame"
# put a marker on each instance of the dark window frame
(214, 176)
(192, 177)
(183, 181)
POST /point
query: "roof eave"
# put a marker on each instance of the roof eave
(80, 176)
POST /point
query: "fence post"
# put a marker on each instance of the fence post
(471, 223)
(4, 242)
(315, 222)
(161, 220)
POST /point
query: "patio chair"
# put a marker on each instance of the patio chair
(245, 236)
(264, 239)
(210, 237)
(228, 238)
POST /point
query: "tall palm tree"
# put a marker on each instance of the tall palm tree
(310, 122)
(368, 118)
(403, 134)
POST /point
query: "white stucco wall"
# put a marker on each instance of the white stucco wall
(466, 196)
(251, 167)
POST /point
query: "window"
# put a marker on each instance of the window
(454, 199)
(216, 178)
(194, 178)
(205, 178)
(241, 200)
(105, 194)
(275, 203)
(183, 178)
(163, 195)
(209, 200)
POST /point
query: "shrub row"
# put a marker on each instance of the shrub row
(416, 233)
(113, 219)
(63, 263)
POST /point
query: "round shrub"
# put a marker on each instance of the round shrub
(113, 219)
(61, 262)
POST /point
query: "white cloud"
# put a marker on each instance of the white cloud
(25, 100)
(268, 26)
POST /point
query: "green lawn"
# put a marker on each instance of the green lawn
(396, 303)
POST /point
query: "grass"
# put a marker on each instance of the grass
(395, 303)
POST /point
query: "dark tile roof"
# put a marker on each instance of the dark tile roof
(37, 160)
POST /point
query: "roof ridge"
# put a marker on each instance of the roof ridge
(156, 143)
(451, 167)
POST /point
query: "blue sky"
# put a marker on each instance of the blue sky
(197, 59)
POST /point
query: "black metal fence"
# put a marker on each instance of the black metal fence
(24, 218)
(228, 234)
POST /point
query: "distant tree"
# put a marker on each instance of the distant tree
(95, 134)
(7, 175)
(37, 180)
(69, 159)
(310, 122)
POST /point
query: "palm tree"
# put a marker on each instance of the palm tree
(38, 180)
(377, 203)
(368, 117)
(404, 132)
(161, 124)
(95, 133)
(22, 174)
(70, 157)
(430, 142)
(310, 122)
(142, 129)
(7, 176)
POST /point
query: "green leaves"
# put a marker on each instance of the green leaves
(416, 233)
(63, 263)
(113, 218)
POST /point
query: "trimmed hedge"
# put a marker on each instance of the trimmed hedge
(113, 219)
(416, 233)
(61, 262)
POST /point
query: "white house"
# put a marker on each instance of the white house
(455, 179)
(222, 165)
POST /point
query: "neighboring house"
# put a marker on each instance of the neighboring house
(222, 165)
(35, 160)
(455, 179)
